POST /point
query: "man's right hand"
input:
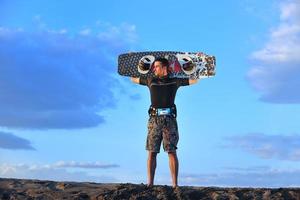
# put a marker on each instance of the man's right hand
(135, 80)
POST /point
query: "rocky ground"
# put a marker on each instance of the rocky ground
(37, 189)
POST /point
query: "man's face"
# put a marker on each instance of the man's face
(159, 69)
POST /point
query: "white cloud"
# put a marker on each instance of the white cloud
(276, 69)
(283, 147)
(235, 176)
(242, 178)
(88, 165)
(53, 79)
(50, 172)
(290, 10)
(260, 168)
(125, 31)
(283, 45)
(86, 31)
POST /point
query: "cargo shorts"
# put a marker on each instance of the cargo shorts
(162, 128)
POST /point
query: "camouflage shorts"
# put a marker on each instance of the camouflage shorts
(162, 128)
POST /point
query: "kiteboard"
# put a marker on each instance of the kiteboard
(193, 65)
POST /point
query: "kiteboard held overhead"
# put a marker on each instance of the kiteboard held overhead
(193, 65)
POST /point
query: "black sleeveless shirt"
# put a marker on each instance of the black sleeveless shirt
(163, 90)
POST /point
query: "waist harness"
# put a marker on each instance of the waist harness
(171, 111)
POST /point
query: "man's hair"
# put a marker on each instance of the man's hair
(164, 61)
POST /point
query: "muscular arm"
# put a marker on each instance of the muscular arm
(135, 80)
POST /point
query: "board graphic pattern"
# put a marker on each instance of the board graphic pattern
(204, 65)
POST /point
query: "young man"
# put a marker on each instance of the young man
(162, 124)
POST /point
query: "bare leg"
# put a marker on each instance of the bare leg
(173, 163)
(151, 166)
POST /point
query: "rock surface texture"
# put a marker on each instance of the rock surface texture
(41, 189)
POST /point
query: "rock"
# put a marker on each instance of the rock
(36, 189)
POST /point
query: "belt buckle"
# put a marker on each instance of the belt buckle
(163, 111)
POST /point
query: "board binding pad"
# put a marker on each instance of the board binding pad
(181, 64)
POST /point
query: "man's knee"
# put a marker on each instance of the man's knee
(172, 153)
(152, 154)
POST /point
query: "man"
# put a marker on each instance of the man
(162, 124)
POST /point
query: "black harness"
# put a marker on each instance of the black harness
(154, 112)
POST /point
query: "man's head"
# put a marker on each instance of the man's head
(160, 67)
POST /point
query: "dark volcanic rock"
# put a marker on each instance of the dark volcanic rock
(36, 189)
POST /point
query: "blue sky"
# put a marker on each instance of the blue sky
(65, 113)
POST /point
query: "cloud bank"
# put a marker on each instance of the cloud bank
(86, 165)
(276, 67)
(243, 178)
(53, 79)
(282, 147)
(56, 172)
